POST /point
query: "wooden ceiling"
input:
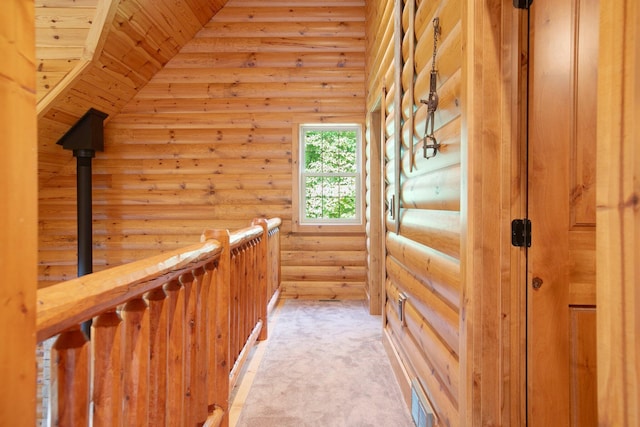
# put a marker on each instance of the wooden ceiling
(62, 28)
(99, 54)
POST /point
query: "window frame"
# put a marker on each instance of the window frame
(299, 222)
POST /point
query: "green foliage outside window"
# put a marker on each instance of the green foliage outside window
(330, 173)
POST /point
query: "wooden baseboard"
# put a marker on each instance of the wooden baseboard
(399, 369)
(237, 367)
(237, 399)
(274, 301)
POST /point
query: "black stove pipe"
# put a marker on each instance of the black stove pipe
(85, 138)
(85, 212)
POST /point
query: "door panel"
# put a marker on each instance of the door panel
(561, 388)
(584, 402)
(583, 142)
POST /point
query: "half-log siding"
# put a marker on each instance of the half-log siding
(207, 143)
(423, 257)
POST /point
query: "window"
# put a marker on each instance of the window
(329, 177)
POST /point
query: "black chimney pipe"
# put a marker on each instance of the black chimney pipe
(85, 138)
(85, 212)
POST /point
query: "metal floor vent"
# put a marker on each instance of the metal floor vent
(329, 300)
(421, 411)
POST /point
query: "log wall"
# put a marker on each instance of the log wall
(207, 143)
(460, 331)
(423, 220)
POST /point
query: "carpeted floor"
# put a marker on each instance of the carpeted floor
(324, 365)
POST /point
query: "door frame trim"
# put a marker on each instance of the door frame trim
(493, 293)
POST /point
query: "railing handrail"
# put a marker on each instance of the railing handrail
(244, 235)
(273, 223)
(74, 301)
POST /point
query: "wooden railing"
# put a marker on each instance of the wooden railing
(168, 336)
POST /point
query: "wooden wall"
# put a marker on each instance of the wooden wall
(18, 210)
(423, 256)
(207, 143)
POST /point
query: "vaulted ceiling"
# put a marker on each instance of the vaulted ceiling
(62, 28)
(99, 54)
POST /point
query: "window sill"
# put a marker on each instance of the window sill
(296, 227)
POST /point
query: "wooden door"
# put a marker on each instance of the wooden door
(561, 306)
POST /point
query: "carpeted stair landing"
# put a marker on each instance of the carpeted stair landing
(324, 364)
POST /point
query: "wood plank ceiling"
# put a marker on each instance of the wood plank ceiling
(62, 28)
(99, 54)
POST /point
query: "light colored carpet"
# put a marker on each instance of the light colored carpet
(324, 365)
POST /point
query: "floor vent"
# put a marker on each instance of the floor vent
(329, 300)
(421, 411)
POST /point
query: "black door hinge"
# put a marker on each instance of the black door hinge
(522, 4)
(521, 233)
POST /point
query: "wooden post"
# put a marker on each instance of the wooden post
(158, 339)
(618, 215)
(274, 266)
(106, 346)
(18, 214)
(263, 271)
(70, 379)
(222, 298)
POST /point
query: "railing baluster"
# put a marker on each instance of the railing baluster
(158, 336)
(222, 307)
(235, 304)
(189, 346)
(210, 334)
(106, 344)
(202, 283)
(239, 335)
(175, 366)
(254, 302)
(242, 312)
(70, 379)
(136, 363)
